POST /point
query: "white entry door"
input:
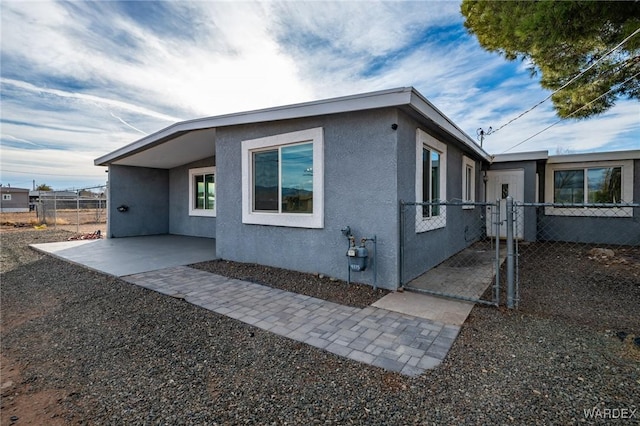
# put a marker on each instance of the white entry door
(500, 184)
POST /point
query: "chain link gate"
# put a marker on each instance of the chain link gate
(457, 244)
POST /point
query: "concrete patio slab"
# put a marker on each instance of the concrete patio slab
(133, 255)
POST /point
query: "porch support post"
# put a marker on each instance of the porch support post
(510, 254)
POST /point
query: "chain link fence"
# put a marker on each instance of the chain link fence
(566, 248)
(456, 244)
(86, 206)
(505, 252)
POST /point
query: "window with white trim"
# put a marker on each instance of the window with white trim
(590, 185)
(6, 197)
(609, 182)
(431, 182)
(468, 181)
(202, 191)
(282, 180)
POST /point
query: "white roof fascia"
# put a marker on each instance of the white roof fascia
(595, 156)
(521, 156)
(380, 99)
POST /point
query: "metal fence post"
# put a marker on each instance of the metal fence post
(78, 211)
(401, 242)
(55, 210)
(495, 222)
(510, 253)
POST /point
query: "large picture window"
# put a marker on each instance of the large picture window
(608, 182)
(202, 191)
(431, 172)
(592, 185)
(283, 179)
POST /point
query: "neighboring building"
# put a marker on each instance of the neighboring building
(277, 186)
(14, 200)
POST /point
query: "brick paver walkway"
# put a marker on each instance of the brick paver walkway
(375, 336)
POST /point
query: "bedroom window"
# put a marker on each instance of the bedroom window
(282, 180)
(431, 184)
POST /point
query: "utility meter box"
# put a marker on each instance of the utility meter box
(358, 258)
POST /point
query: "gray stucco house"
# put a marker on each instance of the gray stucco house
(276, 186)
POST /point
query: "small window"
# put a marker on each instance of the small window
(202, 191)
(468, 181)
(504, 191)
(282, 180)
(431, 185)
(6, 197)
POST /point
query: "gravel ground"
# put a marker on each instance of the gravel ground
(83, 348)
(320, 286)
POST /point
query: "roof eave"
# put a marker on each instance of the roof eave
(427, 109)
(380, 99)
(403, 96)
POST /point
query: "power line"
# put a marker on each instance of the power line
(569, 82)
(574, 112)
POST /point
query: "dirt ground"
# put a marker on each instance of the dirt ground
(86, 349)
(21, 403)
(66, 220)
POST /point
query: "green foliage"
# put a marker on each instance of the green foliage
(43, 187)
(562, 38)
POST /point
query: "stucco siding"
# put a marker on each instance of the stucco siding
(145, 192)
(425, 250)
(360, 192)
(180, 222)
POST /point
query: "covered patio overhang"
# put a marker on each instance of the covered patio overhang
(133, 255)
(172, 150)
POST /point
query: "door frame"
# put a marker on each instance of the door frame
(494, 178)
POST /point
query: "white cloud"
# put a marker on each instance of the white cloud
(93, 76)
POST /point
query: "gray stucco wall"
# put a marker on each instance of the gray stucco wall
(144, 191)
(425, 250)
(360, 191)
(179, 220)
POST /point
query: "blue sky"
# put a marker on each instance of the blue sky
(80, 79)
